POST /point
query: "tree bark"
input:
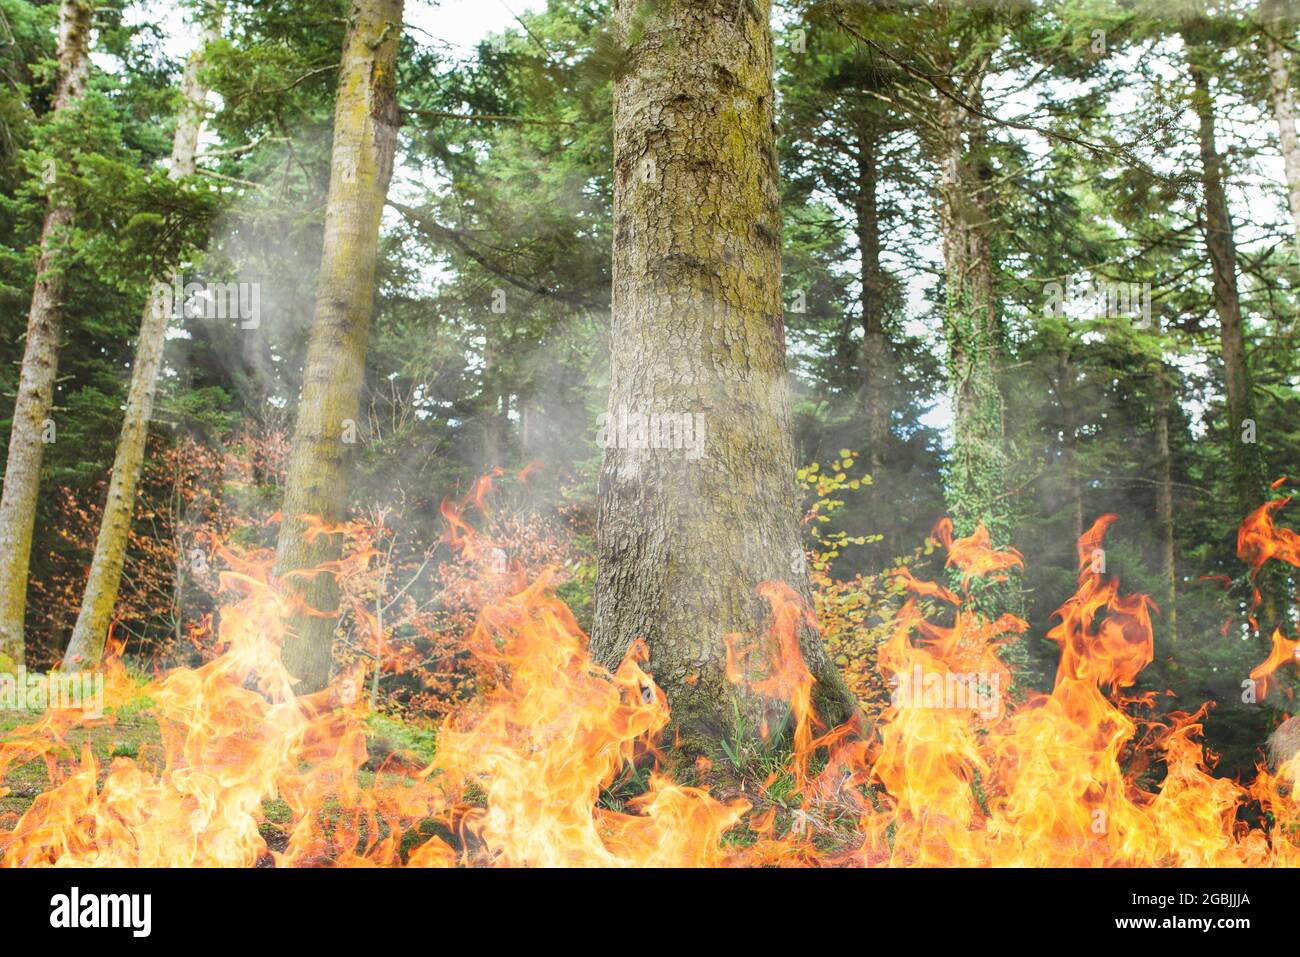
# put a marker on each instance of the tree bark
(976, 487)
(875, 344)
(91, 630)
(683, 542)
(495, 413)
(1165, 508)
(1248, 466)
(1069, 465)
(361, 164)
(1279, 74)
(40, 367)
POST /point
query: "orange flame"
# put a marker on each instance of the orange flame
(535, 771)
(974, 556)
(1259, 539)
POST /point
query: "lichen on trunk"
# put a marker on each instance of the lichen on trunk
(685, 539)
(86, 646)
(40, 369)
(326, 429)
(976, 489)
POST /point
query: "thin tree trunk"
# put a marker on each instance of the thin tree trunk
(40, 367)
(1069, 463)
(1249, 479)
(1165, 508)
(1279, 75)
(976, 489)
(361, 164)
(527, 430)
(684, 540)
(91, 630)
(1248, 465)
(875, 344)
(976, 486)
(490, 443)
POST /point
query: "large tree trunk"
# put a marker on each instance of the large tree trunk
(1249, 479)
(976, 481)
(684, 540)
(976, 487)
(91, 630)
(361, 164)
(976, 490)
(40, 367)
(1279, 75)
(1165, 508)
(1248, 466)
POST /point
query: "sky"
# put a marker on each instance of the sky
(461, 23)
(464, 23)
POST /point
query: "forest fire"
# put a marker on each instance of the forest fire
(522, 772)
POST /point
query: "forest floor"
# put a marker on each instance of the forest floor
(133, 734)
(131, 731)
(756, 773)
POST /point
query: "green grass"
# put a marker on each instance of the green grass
(746, 763)
(412, 743)
(134, 733)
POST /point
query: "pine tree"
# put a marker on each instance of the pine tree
(91, 630)
(31, 422)
(325, 433)
(685, 538)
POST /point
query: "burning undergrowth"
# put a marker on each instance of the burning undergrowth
(952, 772)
